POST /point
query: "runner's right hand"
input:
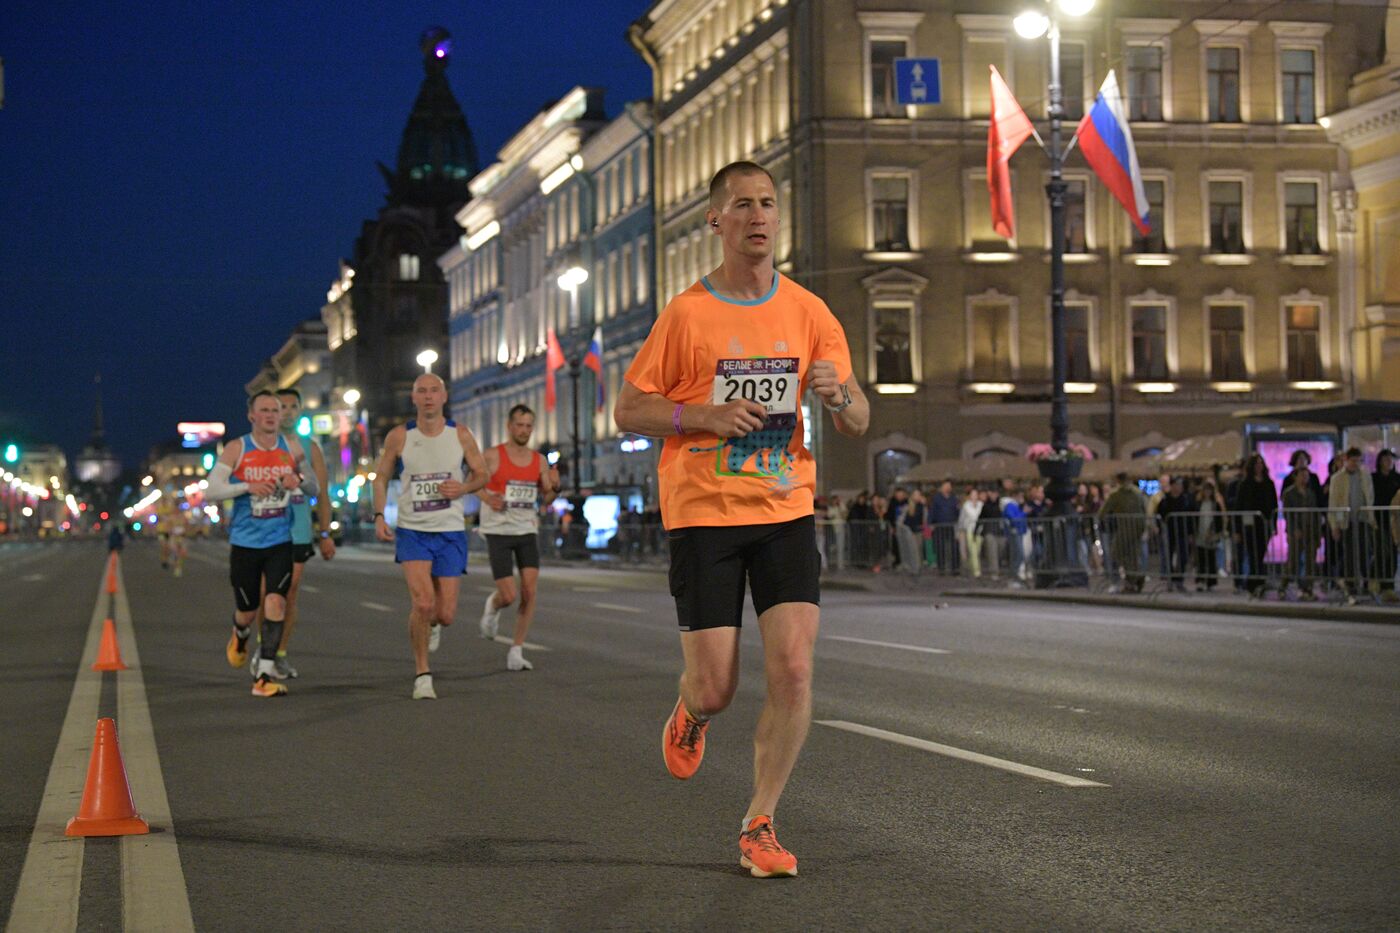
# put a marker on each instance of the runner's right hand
(736, 419)
(382, 531)
(262, 489)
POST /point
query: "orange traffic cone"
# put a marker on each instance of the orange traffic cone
(109, 655)
(107, 808)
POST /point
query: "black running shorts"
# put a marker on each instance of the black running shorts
(301, 553)
(522, 550)
(248, 567)
(709, 567)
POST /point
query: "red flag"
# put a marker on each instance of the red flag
(553, 361)
(1009, 128)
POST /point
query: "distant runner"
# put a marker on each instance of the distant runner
(431, 540)
(510, 523)
(258, 472)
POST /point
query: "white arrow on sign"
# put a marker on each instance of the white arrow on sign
(918, 71)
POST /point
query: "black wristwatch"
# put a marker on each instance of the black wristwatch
(378, 515)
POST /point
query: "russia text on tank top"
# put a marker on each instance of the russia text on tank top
(262, 521)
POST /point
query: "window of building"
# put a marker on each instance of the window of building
(1304, 341)
(977, 213)
(1076, 217)
(625, 278)
(1078, 365)
(1149, 323)
(1299, 80)
(894, 328)
(889, 212)
(1226, 216)
(1145, 83)
(1154, 240)
(1072, 57)
(1227, 362)
(1300, 218)
(643, 279)
(883, 52)
(991, 342)
(408, 267)
(1223, 84)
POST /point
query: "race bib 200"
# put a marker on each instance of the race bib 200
(424, 491)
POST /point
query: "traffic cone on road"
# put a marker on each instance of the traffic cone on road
(109, 655)
(107, 808)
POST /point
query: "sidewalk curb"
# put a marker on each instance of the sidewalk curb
(1313, 613)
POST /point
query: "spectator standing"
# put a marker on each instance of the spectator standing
(1210, 508)
(1018, 532)
(1258, 500)
(1125, 514)
(836, 524)
(993, 530)
(861, 519)
(1386, 485)
(969, 533)
(1173, 513)
(1302, 522)
(943, 518)
(1350, 496)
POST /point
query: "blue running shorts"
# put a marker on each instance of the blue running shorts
(446, 549)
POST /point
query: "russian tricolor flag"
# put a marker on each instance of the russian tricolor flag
(1108, 148)
(593, 360)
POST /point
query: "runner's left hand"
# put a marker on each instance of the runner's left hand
(451, 488)
(327, 548)
(821, 378)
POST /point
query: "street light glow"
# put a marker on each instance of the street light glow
(1076, 7)
(1031, 24)
(572, 277)
(351, 396)
(426, 359)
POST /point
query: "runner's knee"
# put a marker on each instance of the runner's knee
(790, 677)
(425, 607)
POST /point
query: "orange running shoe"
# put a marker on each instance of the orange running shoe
(683, 742)
(237, 649)
(265, 686)
(761, 854)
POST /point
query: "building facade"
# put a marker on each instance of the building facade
(303, 363)
(1238, 297)
(571, 190)
(389, 303)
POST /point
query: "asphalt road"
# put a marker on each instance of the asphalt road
(1250, 766)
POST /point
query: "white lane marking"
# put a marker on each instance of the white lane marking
(380, 606)
(154, 893)
(589, 589)
(51, 881)
(1067, 780)
(503, 640)
(885, 644)
(34, 578)
(618, 608)
(307, 587)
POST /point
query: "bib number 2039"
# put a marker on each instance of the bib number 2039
(772, 383)
(766, 390)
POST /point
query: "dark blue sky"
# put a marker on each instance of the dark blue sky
(178, 181)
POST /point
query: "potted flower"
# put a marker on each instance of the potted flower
(1058, 466)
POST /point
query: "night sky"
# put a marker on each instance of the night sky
(178, 181)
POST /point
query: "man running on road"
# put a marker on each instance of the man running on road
(258, 472)
(302, 532)
(721, 376)
(510, 522)
(431, 540)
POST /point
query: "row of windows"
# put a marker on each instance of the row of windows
(509, 332)
(621, 183)
(740, 120)
(707, 39)
(1144, 69)
(993, 340)
(892, 198)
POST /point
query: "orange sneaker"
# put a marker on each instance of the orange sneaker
(265, 686)
(237, 649)
(761, 854)
(683, 742)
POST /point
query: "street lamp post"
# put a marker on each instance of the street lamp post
(570, 280)
(1061, 470)
(426, 359)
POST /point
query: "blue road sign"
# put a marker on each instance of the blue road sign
(916, 81)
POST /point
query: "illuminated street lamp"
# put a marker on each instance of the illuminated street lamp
(570, 280)
(1033, 24)
(426, 359)
(351, 396)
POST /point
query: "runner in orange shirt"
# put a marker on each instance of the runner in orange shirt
(722, 376)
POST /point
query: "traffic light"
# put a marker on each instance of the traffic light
(304, 426)
(12, 453)
(208, 461)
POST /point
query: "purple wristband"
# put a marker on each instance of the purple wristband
(676, 419)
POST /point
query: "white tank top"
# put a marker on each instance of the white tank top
(425, 463)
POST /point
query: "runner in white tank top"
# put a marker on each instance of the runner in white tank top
(431, 540)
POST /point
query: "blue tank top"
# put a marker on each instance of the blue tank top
(262, 521)
(301, 503)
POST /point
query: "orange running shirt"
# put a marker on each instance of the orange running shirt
(705, 349)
